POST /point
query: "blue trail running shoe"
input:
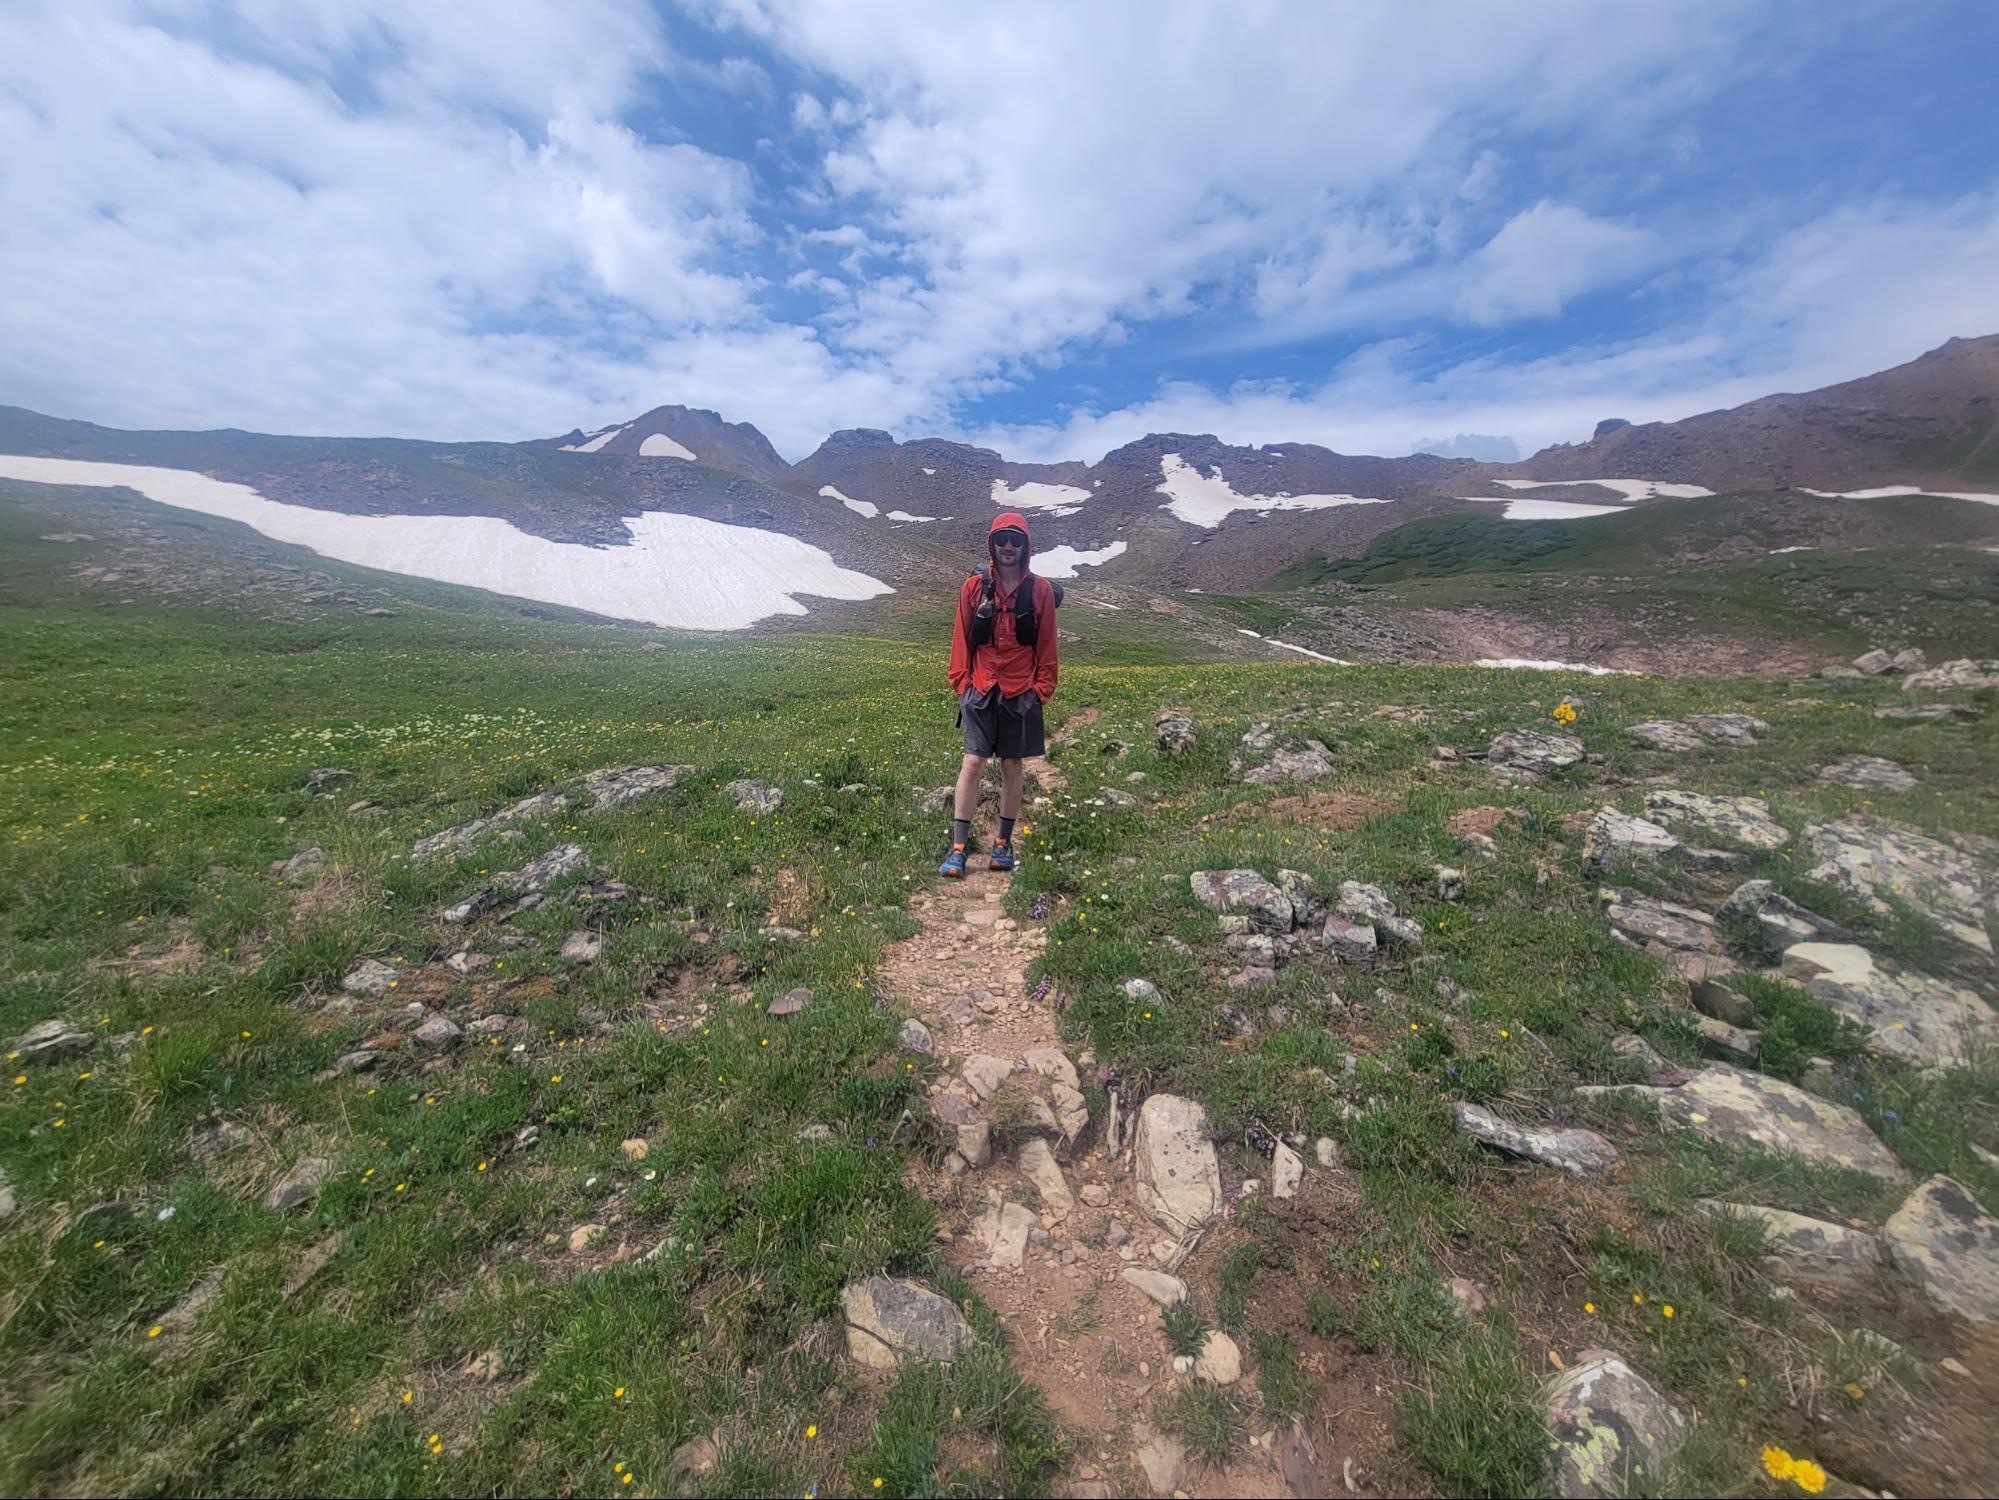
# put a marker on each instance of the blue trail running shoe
(953, 867)
(1001, 857)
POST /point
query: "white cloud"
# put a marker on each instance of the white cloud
(1544, 257)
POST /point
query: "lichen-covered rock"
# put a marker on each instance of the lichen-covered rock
(1868, 773)
(1613, 835)
(1176, 732)
(1962, 675)
(1311, 763)
(890, 1319)
(1916, 1018)
(301, 1184)
(1812, 1251)
(1729, 729)
(754, 796)
(1684, 940)
(1247, 892)
(1781, 919)
(370, 977)
(616, 786)
(1528, 754)
(1665, 734)
(51, 1041)
(1949, 1246)
(1179, 1178)
(1746, 820)
(1611, 1432)
(1872, 858)
(1739, 1108)
(1578, 1152)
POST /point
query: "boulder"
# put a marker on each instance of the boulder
(1729, 729)
(983, 1073)
(1780, 919)
(1745, 820)
(1311, 763)
(1734, 1043)
(1873, 663)
(617, 786)
(1176, 732)
(1665, 734)
(1528, 754)
(1930, 712)
(1744, 1109)
(1684, 940)
(1713, 997)
(975, 1142)
(370, 977)
(1179, 1178)
(1870, 858)
(301, 1184)
(1578, 1152)
(890, 1319)
(1909, 659)
(1812, 1251)
(1919, 1020)
(1613, 836)
(1370, 903)
(1946, 1244)
(1003, 1229)
(1868, 773)
(750, 795)
(1348, 941)
(1611, 1433)
(1247, 892)
(438, 1033)
(1963, 675)
(51, 1041)
(915, 1037)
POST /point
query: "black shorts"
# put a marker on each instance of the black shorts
(1010, 728)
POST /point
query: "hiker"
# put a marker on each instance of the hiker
(1003, 670)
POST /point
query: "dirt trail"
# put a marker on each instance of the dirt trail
(1092, 1343)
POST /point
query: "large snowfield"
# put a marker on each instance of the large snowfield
(1062, 561)
(1056, 499)
(683, 572)
(1206, 499)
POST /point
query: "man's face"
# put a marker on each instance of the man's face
(1007, 545)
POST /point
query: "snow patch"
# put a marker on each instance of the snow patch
(1271, 640)
(1207, 500)
(1899, 491)
(1099, 603)
(930, 471)
(1544, 510)
(1057, 499)
(659, 445)
(1529, 664)
(591, 445)
(859, 507)
(683, 572)
(1630, 489)
(1780, 551)
(1062, 562)
(903, 515)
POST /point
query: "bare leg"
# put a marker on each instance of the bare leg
(969, 776)
(1010, 789)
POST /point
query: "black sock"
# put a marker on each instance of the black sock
(961, 830)
(1006, 830)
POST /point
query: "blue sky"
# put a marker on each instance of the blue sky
(1050, 228)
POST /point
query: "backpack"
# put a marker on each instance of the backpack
(1026, 627)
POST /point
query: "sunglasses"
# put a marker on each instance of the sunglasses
(1007, 539)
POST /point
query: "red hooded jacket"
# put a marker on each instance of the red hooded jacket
(1015, 667)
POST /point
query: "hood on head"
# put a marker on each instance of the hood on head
(1005, 519)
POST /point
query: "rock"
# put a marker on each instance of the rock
(1004, 1229)
(1111, 796)
(9, 1204)
(1072, 1112)
(371, 977)
(1160, 1456)
(1326, 1151)
(1309, 764)
(1962, 675)
(696, 1458)
(1946, 1244)
(1909, 659)
(1176, 732)
(540, 873)
(791, 1002)
(1933, 712)
(1611, 1432)
(1729, 729)
(1466, 1293)
(1256, 947)
(889, 1318)
(301, 1184)
(1868, 773)
(1144, 991)
(1095, 1194)
(1450, 882)
(975, 1142)
(1812, 1250)
(1161, 1288)
(1578, 1152)
(467, 962)
(1733, 1042)
(1246, 892)
(1613, 835)
(1781, 919)
(1873, 663)
(1922, 1021)
(51, 1041)
(1746, 820)
(1037, 1165)
(1481, 844)
(759, 797)
(618, 786)
(583, 947)
(1179, 1178)
(1348, 941)
(1287, 1170)
(1636, 1049)
(1681, 938)
(983, 1073)
(583, 1236)
(1528, 754)
(915, 1037)
(1870, 858)
(1739, 1108)
(1712, 997)
(181, 1317)
(209, 1146)
(439, 1033)
(302, 864)
(323, 780)
(1665, 734)
(491, 1025)
(1220, 1361)
(1051, 1062)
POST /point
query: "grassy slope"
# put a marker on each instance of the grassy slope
(151, 765)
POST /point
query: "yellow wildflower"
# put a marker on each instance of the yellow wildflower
(1808, 1476)
(1778, 1464)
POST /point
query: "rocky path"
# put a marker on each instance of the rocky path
(1041, 1215)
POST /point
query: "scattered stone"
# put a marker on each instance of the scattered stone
(1095, 1194)
(583, 947)
(465, 961)
(1962, 675)
(1072, 1111)
(1920, 1020)
(301, 864)
(1037, 1165)
(759, 797)
(1956, 712)
(889, 1318)
(1179, 1178)
(1613, 835)
(1466, 1293)
(1812, 1250)
(1684, 940)
(1246, 892)
(983, 1073)
(636, 1149)
(1729, 729)
(1870, 858)
(975, 1142)
(1781, 919)
(439, 1033)
(1309, 764)
(1579, 1152)
(1326, 1151)
(1051, 1062)
(1873, 663)
(791, 1002)
(1161, 1457)
(323, 780)
(1949, 1246)
(218, 1140)
(1144, 991)
(583, 1236)
(1734, 1042)
(181, 1317)
(1370, 903)
(1665, 734)
(618, 786)
(1739, 1108)
(1160, 1287)
(1176, 732)
(1746, 820)
(301, 1184)
(696, 1458)
(1348, 941)
(1612, 1433)
(915, 1037)
(1004, 1229)
(51, 1041)
(1220, 1361)
(1528, 754)
(1450, 882)
(1868, 773)
(1909, 659)
(1287, 1170)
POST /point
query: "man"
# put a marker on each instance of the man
(1003, 670)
